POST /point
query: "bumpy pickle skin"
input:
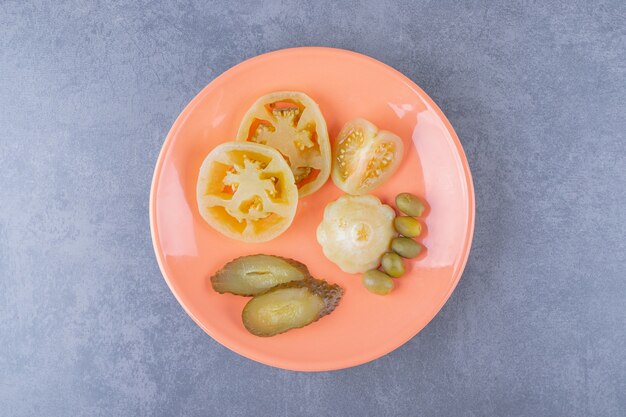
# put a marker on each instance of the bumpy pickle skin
(255, 274)
(290, 306)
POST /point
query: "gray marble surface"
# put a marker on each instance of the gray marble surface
(536, 92)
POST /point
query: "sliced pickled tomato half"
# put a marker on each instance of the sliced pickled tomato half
(364, 157)
(292, 123)
(246, 191)
(290, 306)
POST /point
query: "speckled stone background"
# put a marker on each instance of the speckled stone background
(537, 94)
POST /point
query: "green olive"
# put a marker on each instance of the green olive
(407, 226)
(393, 265)
(410, 204)
(405, 247)
(377, 282)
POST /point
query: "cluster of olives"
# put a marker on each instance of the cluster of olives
(408, 227)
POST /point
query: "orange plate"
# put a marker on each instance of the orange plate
(364, 326)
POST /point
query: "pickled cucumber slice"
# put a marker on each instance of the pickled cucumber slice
(254, 274)
(290, 306)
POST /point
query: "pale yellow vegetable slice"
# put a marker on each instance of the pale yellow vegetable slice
(355, 232)
(290, 306)
(292, 123)
(364, 157)
(246, 191)
(255, 274)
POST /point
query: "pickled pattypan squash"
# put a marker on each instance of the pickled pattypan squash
(356, 231)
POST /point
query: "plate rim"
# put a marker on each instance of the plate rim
(182, 117)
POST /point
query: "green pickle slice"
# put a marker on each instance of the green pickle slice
(255, 274)
(290, 306)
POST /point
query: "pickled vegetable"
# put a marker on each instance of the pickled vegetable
(364, 157)
(254, 274)
(377, 282)
(407, 226)
(405, 247)
(356, 231)
(289, 306)
(292, 123)
(393, 265)
(246, 191)
(410, 204)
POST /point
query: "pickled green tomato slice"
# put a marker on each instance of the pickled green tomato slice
(292, 123)
(364, 157)
(246, 191)
(355, 232)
